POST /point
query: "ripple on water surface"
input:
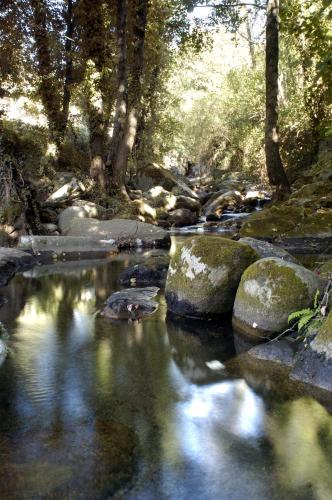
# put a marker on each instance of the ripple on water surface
(91, 408)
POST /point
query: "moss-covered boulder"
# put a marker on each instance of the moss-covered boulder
(314, 363)
(323, 340)
(269, 291)
(204, 274)
(288, 221)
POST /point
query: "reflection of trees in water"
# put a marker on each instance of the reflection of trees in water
(301, 434)
(134, 380)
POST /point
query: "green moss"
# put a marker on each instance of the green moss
(325, 269)
(288, 288)
(205, 271)
(288, 221)
(269, 291)
(323, 341)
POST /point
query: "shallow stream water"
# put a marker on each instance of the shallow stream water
(91, 408)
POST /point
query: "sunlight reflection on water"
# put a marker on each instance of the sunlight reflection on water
(77, 391)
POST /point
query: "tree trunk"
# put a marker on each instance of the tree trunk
(274, 166)
(122, 83)
(68, 79)
(250, 37)
(148, 117)
(97, 147)
(135, 93)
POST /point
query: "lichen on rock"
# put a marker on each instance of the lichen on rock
(269, 291)
(204, 274)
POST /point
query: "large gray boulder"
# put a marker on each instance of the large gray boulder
(188, 203)
(83, 210)
(221, 200)
(69, 191)
(204, 274)
(159, 197)
(154, 175)
(269, 291)
(182, 217)
(13, 260)
(266, 249)
(119, 231)
(314, 363)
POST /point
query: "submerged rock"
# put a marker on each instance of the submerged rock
(281, 352)
(131, 303)
(269, 291)
(151, 272)
(204, 274)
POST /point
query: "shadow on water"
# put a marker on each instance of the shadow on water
(91, 408)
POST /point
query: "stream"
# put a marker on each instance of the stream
(93, 409)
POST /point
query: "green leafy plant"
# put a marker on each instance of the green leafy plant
(308, 320)
(304, 316)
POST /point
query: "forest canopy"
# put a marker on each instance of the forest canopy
(104, 88)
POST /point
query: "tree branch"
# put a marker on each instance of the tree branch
(240, 4)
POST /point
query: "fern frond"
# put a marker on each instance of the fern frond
(299, 314)
(304, 320)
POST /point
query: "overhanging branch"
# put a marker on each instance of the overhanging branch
(239, 4)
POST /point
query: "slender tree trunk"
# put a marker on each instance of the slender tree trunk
(251, 42)
(274, 166)
(145, 120)
(135, 93)
(97, 129)
(122, 83)
(68, 80)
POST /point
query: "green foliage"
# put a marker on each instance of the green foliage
(309, 317)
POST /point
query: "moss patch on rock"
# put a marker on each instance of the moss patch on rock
(204, 274)
(288, 221)
(269, 291)
(323, 341)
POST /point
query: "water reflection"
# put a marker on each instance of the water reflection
(89, 407)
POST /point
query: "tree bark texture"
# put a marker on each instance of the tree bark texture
(274, 166)
(134, 96)
(122, 84)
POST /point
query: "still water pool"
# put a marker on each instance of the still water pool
(96, 409)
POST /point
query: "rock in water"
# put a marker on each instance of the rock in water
(269, 291)
(204, 274)
(131, 303)
(149, 273)
(314, 363)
